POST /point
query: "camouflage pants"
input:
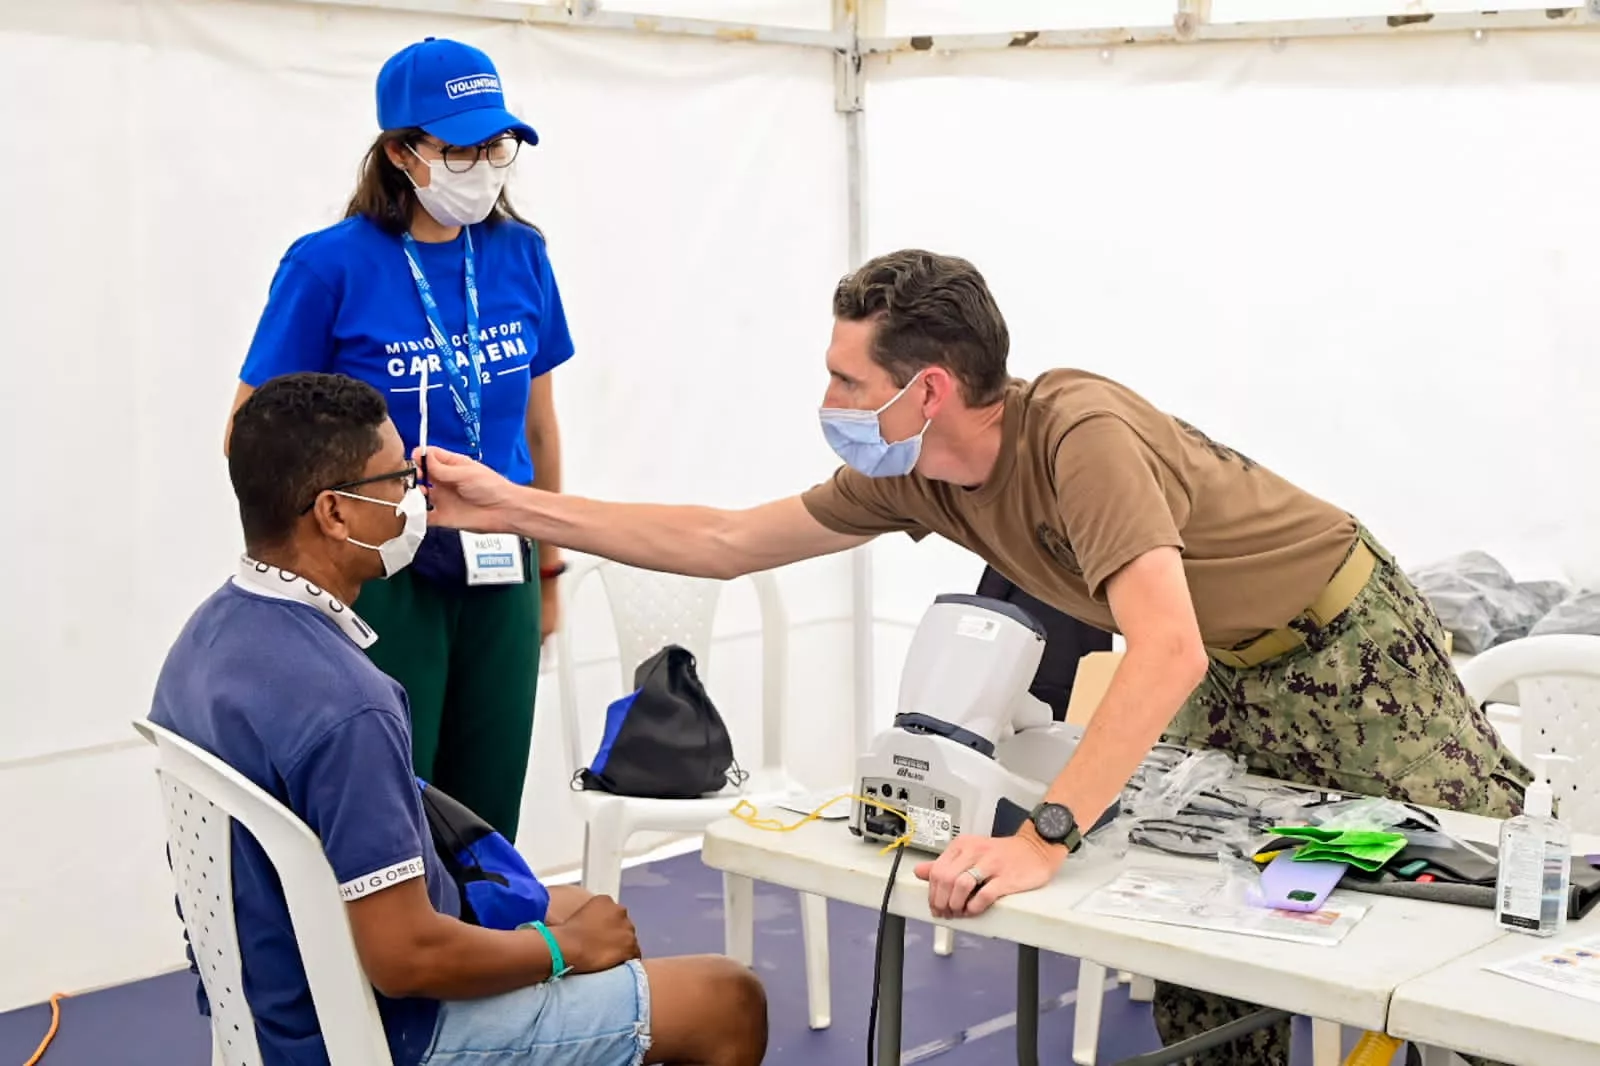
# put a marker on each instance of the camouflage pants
(1370, 705)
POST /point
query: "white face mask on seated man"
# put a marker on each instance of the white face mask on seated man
(398, 551)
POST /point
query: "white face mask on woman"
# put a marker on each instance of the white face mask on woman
(463, 199)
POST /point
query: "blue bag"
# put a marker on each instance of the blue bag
(498, 890)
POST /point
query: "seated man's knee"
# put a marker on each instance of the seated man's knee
(746, 999)
(739, 1001)
(706, 1009)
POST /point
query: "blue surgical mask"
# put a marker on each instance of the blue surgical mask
(857, 438)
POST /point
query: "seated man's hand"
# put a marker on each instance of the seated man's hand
(597, 936)
(975, 871)
(464, 493)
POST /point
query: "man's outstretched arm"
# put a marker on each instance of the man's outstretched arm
(698, 541)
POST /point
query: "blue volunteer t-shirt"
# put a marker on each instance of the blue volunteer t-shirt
(276, 690)
(344, 302)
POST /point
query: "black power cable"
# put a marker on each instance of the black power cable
(877, 955)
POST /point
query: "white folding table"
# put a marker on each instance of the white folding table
(1399, 940)
(1463, 1007)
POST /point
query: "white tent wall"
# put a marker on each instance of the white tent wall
(175, 149)
(1368, 264)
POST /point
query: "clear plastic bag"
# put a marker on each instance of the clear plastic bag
(1545, 594)
(1383, 815)
(1367, 814)
(1170, 792)
(1578, 613)
(1165, 783)
(1196, 804)
(1242, 880)
(1480, 603)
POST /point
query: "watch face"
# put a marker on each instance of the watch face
(1053, 821)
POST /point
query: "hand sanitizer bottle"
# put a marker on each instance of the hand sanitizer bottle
(1535, 863)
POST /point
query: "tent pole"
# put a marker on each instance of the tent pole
(850, 18)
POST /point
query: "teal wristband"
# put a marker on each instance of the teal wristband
(558, 963)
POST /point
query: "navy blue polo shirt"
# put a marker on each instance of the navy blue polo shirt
(277, 688)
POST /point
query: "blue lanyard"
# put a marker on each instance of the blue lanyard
(466, 388)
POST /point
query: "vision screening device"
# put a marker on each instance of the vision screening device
(970, 748)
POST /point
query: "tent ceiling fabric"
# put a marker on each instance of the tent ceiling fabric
(948, 26)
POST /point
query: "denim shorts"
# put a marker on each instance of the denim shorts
(591, 1019)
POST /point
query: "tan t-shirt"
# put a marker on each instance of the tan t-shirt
(1090, 476)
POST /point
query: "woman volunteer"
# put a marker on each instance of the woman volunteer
(436, 292)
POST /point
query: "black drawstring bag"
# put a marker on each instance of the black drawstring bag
(664, 740)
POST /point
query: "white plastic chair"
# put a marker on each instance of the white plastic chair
(202, 797)
(1555, 680)
(1091, 999)
(650, 610)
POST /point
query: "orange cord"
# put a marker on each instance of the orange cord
(55, 1023)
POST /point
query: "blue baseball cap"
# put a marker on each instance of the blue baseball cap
(447, 89)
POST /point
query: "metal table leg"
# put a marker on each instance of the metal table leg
(1027, 1005)
(1211, 1038)
(891, 984)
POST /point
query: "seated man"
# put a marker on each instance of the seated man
(269, 676)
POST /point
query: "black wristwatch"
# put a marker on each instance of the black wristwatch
(1056, 825)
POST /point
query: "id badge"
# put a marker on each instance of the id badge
(493, 558)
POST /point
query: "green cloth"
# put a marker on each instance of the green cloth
(468, 658)
(1365, 849)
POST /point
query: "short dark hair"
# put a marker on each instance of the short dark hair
(294, 437)
(931, 310)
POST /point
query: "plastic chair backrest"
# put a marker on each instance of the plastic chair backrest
(203, 796)
(1557, 681)
(650, 610)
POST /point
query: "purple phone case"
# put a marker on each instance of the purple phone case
(1287, 885)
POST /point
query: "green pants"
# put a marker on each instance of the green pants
(1370, 704)
(468, 658)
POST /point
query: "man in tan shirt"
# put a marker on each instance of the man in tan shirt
(1258, 619)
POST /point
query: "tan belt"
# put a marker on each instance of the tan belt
(1335, 597)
